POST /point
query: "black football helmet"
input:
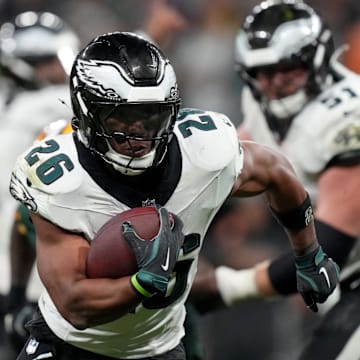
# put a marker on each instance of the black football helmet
(123, 74)
(284, 32)
(33, 38)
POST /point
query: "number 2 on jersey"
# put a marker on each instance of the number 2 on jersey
(53, 168)
(204, 122)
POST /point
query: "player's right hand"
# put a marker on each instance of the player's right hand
(156, 258)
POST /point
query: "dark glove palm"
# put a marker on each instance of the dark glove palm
(156, 259)
(317, 277)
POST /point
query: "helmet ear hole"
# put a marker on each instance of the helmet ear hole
(122, 77)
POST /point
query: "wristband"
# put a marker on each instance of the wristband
(236, 285)
(297, 218)
(302, 253)
(313, 255)
(138, 288)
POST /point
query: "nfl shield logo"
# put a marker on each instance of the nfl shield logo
(32, 346)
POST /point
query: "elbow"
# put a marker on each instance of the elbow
(79, 320)
(74, 312)
(80, 326)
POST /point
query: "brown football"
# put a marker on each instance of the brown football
(109, 255)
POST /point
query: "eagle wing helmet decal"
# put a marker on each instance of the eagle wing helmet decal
(101, 77)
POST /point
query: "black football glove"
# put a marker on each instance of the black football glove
(156, 258)
(317, 277)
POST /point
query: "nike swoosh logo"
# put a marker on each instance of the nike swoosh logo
(165, 266)
(324, 272)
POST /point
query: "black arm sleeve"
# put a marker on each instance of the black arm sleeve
(349, 158)
(336, 245)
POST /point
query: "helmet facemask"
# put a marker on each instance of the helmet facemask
(134, 135)
(284, 101)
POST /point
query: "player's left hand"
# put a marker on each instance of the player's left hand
(317, 277)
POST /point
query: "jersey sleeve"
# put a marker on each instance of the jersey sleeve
(342, 141)
(44, 171)
(209, 140)
(332, 128)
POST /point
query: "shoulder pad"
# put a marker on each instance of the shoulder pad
(50, 167)
(208, 138)
(330, 125)
(349, 158)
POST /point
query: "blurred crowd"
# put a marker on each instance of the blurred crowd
(199, 40)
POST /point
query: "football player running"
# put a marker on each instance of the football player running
(298, 99)
(132, 146)
(162, 22)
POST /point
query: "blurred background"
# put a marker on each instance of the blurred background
(198, 38)
(202, 52)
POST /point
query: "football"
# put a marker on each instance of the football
(109, 255)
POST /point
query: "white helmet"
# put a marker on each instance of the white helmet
(33, 38)
(284, 32)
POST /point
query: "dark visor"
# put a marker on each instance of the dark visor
(154, 118)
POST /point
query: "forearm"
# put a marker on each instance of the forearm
(282, 271)
(310, 272)
(290, 204)
(90, 302)
(205, 295)
(235, 286)
(270, 172)
(278, 277)
(298, 223)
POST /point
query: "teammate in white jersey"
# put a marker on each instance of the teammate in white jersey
(36, 53)
(299, 100)
(132, 146)
(37, 50)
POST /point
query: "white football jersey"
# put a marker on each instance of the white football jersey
(50, 180)
(327, 126)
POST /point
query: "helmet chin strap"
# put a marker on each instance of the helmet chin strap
(128, 165)
(287, 106)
